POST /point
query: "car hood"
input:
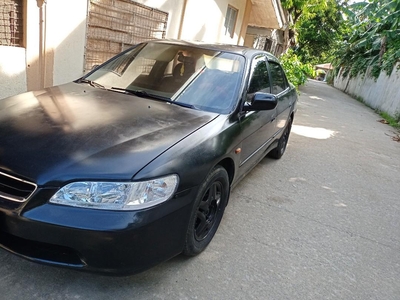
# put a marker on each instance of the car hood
(74, 131)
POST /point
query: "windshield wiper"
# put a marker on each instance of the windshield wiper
(183, 104)
(139, 93)
(91, 82)
(142, 93)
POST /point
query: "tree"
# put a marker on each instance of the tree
(303, 8)
(296, 71)
(320, 34)
(319, 26)
(373, 41)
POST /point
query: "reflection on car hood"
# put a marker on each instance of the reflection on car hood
(75, 131)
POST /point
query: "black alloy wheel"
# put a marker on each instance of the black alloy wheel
(207, 211)
(278, 152)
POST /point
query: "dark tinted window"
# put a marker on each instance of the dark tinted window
(279, 83)
(216, 86)
(259, 81)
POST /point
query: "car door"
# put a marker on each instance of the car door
(257, 127)
(281, 89)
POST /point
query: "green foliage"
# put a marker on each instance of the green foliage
(392, 121)
(373, 41)
(358, 37)
(296, 71)
(309, 70)
(304, 8)
(391, 56)
(320, 33)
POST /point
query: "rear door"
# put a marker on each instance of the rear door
(281, 89)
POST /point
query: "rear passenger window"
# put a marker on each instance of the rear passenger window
(279, 82)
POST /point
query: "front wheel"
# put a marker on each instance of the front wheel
(207, 211)
(278, 152)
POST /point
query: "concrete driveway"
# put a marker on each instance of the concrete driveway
(321, 223)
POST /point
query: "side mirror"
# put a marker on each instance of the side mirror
(261, 101)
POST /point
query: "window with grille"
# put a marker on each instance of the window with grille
(11, 23)
(230, 20)
(114, 26)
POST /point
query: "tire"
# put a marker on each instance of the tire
(278, 152)
(207, 211)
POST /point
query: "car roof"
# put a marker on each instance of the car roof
(242, 50)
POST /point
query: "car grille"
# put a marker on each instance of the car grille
(15, 189)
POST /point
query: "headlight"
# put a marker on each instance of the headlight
(117, 195)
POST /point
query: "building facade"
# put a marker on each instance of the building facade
(50, 42)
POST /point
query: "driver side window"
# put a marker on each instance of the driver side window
(259, 81)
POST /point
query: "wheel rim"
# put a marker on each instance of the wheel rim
(285, 139)
(208, 211)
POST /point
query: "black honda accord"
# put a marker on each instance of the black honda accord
(133, 163)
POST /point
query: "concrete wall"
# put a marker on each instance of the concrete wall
(12, 71)
(204, 21)
(382, 94)
(54, 48)
(66, 37)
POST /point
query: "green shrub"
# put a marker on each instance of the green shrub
(296, 71)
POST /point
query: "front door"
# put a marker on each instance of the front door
(257, 126)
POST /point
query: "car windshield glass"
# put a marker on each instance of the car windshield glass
(202, 78)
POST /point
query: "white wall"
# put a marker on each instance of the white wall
(382, 94)
(204, 20)
(61, 61)
(66, 36)
(12, 71)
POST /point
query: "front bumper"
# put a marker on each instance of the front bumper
(122, 242)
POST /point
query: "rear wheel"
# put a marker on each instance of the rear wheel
(278, 152)
(207, 211)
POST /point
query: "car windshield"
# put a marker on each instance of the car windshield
(202, 78)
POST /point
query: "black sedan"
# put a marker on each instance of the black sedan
(133, 163)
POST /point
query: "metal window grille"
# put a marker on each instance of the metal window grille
(114, 25)
(11, 23)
